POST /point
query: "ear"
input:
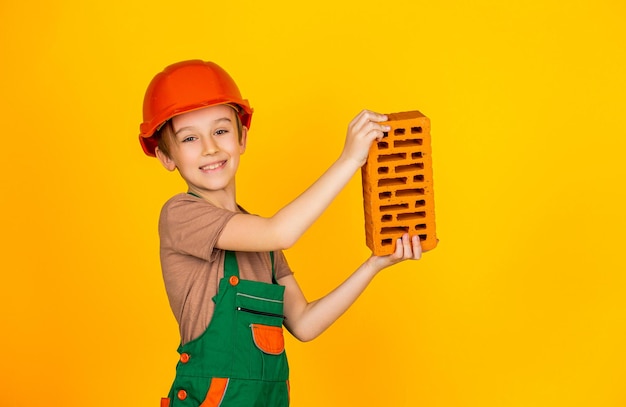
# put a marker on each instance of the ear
(244, 140)
(167, 162)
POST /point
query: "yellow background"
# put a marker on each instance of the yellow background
(521, 304)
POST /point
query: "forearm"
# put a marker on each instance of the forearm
(315, 317)
(308, 320)
(295, 218)
(281, 231)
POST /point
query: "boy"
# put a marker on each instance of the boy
(228, 283)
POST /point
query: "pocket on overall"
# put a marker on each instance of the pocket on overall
(268, 339)
(216, 392)
(259, 348)
(260, 303)
(252, 393)
(196, 391)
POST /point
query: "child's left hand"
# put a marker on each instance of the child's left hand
(306, 320)
(406, 249)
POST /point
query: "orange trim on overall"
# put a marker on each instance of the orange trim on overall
(216, 392)
(268, 338)
(165, 402)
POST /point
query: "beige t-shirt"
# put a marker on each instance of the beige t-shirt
(192, 267)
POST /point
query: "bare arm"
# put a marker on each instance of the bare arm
(306, 320)
(253, 233)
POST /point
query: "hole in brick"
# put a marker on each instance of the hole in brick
(394, 230)
(420, 203)
(416, 155)
(408, 143)
(384, 195)
(423, 237)
(417, 129)
(409, 192)
(386, 242)
(386, 218)
(410, 167)
(399, 132)
(382, 145)
(385, 182)
(418, 178)
(410, 216)
(420, 227)
(391, 157)
(385, 134)
(391, 208)
(383, 170)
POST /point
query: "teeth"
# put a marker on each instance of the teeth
(212, 166)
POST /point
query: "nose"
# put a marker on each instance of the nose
(209, 146)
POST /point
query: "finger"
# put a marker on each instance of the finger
(383, 131)
(406, 243)
(375, 130)
(366, 116)
(374, 116)
(399, 252)
(417, 247)
(361, 119)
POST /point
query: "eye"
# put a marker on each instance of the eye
(188, 139)
(221, 132)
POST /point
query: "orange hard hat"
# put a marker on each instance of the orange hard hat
(183, 87)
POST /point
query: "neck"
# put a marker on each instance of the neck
(225, 199)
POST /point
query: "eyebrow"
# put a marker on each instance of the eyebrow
(216, 121)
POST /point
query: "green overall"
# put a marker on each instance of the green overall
(240, 359)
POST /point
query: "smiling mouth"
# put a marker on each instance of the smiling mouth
(214, 166)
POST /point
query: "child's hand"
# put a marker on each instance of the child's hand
(406, 249)
(306, 320)
(362, 131)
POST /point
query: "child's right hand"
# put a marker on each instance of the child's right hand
(362, 131)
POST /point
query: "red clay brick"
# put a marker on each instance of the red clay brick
(398, 185)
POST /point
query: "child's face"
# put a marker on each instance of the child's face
(206, 148)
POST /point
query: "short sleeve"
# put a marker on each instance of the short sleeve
(191, 226)
(281, 266)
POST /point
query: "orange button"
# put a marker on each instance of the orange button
(184, 357)
(182, 394)
(234, 280)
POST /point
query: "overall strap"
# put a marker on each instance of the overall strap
(231, 268)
